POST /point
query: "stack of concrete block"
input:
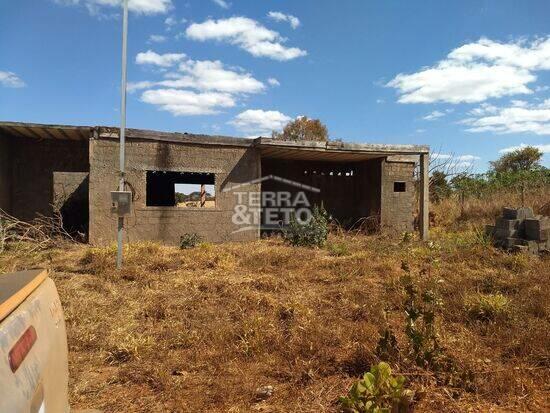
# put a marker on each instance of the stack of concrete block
(518, 229)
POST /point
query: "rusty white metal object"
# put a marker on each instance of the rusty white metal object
(33, 339)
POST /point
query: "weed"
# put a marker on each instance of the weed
(378, 391)
(338, 249)
(407, 237)
(486, 307)
(420, 323)
(313, 233)
(387, 348)
(190, 240)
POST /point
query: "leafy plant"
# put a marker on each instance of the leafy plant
(378, 391)
(190, 240)
(421, 308)
(313, 233)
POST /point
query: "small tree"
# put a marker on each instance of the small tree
(439, 187)
(524, 159)
(303, 129)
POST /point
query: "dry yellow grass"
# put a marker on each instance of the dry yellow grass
(199, 330)
(454, 213)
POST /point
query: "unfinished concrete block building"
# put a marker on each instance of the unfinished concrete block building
(74, 168)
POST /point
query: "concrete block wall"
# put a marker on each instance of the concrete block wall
(231, 166)
(32, 165)
(397, 208)
(66, 185)
(5, 181)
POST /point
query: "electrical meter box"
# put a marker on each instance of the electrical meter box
(122, 202)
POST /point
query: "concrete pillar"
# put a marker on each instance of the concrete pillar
(424, 219)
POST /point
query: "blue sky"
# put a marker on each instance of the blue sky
(469, 78)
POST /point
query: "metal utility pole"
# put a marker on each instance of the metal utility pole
(121, 185)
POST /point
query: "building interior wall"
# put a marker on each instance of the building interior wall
(32, 166)
(349, 191)
(5, 181)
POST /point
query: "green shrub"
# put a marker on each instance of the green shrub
(378, 392)
(486, 307)
(190, 240)
(310, 234)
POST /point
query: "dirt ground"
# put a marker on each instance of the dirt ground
(199, 330)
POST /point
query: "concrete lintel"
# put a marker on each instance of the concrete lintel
(382, 149)
(173, 137)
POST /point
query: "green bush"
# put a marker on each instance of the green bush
(378, 391)
(190, 240)
(310, 234)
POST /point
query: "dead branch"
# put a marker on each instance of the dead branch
(41, 233)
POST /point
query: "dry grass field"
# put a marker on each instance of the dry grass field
(199, 330)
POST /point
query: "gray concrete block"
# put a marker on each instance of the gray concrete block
(535, 229)
(502, 233)
(532, 246)
(517, 213)
(508, 243)
(520, 248)
(507, 224)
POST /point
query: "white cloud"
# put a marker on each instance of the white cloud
(10, 79)
(451, 162)
(162, 60)
(544, 148)
(147, 7)
(185, 102)
(282, 17)
(156, 38)
(520, 117)
(194, 87)
(260, 122)
(204, 75)
(222, 3)
(273, 82)
(246, 33)
(436, 114)
(170, 21)
(475, 72)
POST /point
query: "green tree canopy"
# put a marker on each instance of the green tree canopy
(524, 159)
(303, 129)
